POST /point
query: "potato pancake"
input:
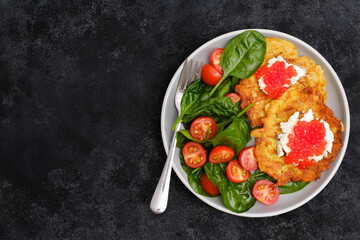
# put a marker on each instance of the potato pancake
(279, 110)
(250, 92)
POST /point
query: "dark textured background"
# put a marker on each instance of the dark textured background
(81, 88)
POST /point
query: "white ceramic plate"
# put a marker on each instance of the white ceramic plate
(336, 101)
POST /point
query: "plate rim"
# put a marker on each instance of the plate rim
(340, 155)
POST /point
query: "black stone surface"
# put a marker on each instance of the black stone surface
(81, 88)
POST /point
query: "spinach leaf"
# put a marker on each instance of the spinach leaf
(194, 182)
(205, 94)
(224, 88)
(196, 102)
(262, 176)
(192, 94)
(242, 56)
(234, 136)
(233, 133)
(181, 137)
(223, 124)
(216, 173)
(234, 81)
(217, 108)
(190, 97)
(236, 196)
(291, 187)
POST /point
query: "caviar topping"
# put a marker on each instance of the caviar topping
(307, 140)
(304, 141)
(277, 76)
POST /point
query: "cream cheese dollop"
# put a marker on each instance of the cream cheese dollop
(288, 128)
(300, 73)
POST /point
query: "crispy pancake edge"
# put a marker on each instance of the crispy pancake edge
(266, 142)
(250, 92)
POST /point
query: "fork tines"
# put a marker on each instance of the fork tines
(188, 74)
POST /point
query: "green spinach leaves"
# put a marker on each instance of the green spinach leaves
(194, 182)
(217, 108)
(233, 133)
(190, 98)
(290, 187)
(236, 196)
(235, 136)
(242, 56)
(196, 102)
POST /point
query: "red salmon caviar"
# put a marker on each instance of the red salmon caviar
(307, 140)
(276, 77)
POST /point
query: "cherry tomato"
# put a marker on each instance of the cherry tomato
(221, 154)
(233, 96)
(247, 159)
(194, 154)
(209, 75)
(201, 125)
(208, 186)
(236, 173)
(266, 192)
(215, 60)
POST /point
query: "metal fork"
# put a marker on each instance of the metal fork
(160, 198)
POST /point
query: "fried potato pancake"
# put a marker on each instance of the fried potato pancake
(279, 110)
(250, 92)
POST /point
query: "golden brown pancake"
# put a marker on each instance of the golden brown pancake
(294, 99)
(250, 92)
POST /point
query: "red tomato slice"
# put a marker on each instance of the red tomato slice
(208, 186)
(209, 75)
(266, 192)
(248, 160)
(236, 173)
(234, 97)
(215, 60)
(201, 125)
(194, 154)
(221, 154)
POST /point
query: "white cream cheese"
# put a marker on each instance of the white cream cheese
(288, 128)
(300, 73)
(262, 85)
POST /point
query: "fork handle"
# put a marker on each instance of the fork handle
(159, 200)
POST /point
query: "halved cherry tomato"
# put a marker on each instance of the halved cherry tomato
(215, 60)
(209, 75)
(266, 192)
(233, 96)
(201, 125)
(208, 186)
(236, 173)
(194, 154)
(248, 160)
(221, 154)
